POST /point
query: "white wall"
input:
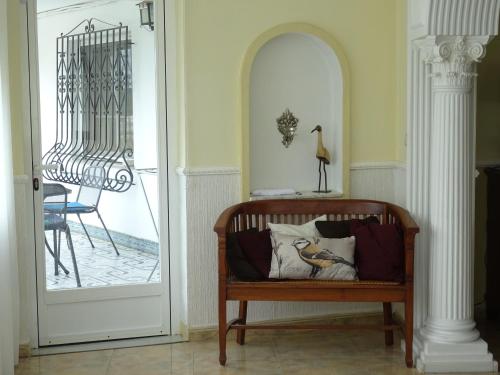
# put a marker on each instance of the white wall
(302, 73)
(123, 212)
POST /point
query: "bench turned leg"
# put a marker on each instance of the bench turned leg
(389, 335)
(222, 331)
(242, 315)
(409, 332)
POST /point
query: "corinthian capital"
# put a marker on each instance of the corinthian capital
(453, 60)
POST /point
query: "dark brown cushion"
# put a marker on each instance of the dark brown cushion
(342, 228)
(258, 249)
(379, 253)
(238, 262)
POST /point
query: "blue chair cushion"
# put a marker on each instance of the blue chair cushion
(53, 222)
(72, 208)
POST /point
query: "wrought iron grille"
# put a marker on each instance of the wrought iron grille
(94, 106)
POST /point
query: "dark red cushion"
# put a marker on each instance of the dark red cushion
(342, 228)
(379, 253)
(356, 223)
(238, 262)
(257, 248)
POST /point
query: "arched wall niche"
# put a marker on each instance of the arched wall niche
(273, 79)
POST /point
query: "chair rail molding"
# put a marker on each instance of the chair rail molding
(377, 165)
(205, 171)
(442, 60)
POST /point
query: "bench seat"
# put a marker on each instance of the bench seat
(322, 290)
(257, 214)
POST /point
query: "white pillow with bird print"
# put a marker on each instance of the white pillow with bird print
(297, 257)
(307, 230)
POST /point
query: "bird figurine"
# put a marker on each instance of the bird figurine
(323, 156)
(318, 258)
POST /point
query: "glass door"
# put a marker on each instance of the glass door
(102, 261)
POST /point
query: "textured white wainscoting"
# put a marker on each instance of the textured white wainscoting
(209, 191)
(28, 331)
(385, 181)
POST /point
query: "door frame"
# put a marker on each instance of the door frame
(167, 159)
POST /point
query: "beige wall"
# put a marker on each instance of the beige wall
(218, 34)
(401, 79)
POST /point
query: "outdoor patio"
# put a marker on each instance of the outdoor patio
(100, 266)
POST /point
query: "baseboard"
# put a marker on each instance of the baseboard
(207, 333)
(183, 331)
(25, 350)
(108, 345)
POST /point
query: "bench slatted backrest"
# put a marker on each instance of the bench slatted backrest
(258, 214)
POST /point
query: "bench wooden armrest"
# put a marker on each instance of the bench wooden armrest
(406, 221)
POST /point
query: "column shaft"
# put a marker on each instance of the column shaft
(449, 341)
(452, 209)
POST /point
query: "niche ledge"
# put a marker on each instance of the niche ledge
(299, 195)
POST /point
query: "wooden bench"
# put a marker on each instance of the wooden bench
(257, 214)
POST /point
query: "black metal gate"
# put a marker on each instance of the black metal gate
(94, 106)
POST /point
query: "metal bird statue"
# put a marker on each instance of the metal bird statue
(323, 156)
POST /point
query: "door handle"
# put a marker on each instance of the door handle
(36, 184)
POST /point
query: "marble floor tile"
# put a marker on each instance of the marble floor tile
(146, 360)
(85, 363)
(28, 366)
(248, 367)
(242, 353)
(290, 353)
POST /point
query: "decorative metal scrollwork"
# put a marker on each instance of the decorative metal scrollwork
(94, 106)
(287, 126)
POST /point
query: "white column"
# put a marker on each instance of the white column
(418, 175)
(449, 340)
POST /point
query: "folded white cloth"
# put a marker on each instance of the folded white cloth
(268, 192)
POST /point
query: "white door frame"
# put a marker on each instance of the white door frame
(175, 313)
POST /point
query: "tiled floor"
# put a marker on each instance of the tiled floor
(283, 353)
(100, 266)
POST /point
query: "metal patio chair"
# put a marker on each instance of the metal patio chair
(55, 196)
(87, 201)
